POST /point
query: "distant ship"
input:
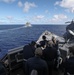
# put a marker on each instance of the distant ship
(28, 24)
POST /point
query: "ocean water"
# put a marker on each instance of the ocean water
(12, 36)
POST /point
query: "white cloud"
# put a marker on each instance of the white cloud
(28, 6)
(72, 10)
(39, 17)
(57, 3)
(69, 4)
(9, 17)
(58, 18)
(46, 11)
(7, 1)
(1, 21)
(20, 4)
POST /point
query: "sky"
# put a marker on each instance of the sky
(36, 11)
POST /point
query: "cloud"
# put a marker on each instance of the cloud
(58, 18)
(28, 6)
(7, 1)
(20, 4)
(46, 11)
(56, 3)
(68, 4)
(9, 18)
(39, 17)
(1, 21)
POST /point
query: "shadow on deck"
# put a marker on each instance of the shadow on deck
(20, 71)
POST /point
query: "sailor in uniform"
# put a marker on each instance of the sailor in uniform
(69, 63)
(36, 64)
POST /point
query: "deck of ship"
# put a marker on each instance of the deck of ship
(21, 72)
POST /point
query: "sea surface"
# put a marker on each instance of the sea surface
(12, 36)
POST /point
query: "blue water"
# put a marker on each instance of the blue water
(12, 36)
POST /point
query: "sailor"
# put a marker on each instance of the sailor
(44, 41)
(2, 69)
(69, 63)
(58, 60)
(50, 54)
(36, 64)
(28, 50)
(55, 42)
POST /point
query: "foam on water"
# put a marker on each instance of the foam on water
(12, 29)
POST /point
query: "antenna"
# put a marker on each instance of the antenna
(70, 21)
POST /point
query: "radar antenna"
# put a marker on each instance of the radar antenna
(70, 21)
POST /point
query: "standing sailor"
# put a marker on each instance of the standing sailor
(36, 64)
(69, 63)
(28, 50)
(50, 54)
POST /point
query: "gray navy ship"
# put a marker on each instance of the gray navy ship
(14, 58)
